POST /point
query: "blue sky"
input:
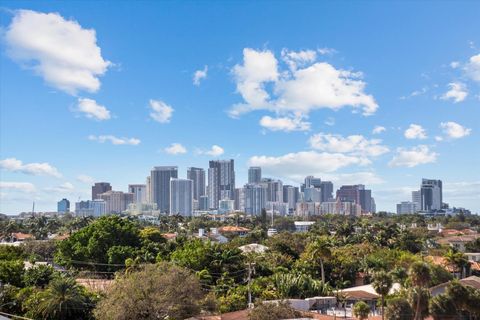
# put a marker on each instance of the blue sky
(296, 87)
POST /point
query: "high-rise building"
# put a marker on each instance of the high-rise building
(312, 182)
(431, 195)
(160, 186)
(95, 208)
(255, 198)
(116, 201)
(139, 192)
(148, 190)
(63, 206)
(254, 175)
(326, 188)
(99, 188)
(197, 175)
(221, 181)
(226, 206)
(240, 199)
(290, 196)
(203, 203)
(311, 194)
(356, 194)
(406, 207)
(181, 197)
(417, 199)
(274, 189)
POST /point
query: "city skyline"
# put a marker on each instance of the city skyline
(347, 101)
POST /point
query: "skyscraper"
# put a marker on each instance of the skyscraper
(290, 196)
(116, 201)
(431, 194)
(254, 174)
(274, 189)
(197, 175)
(327, 190)
(221, 181)
(100, 187)
(255, 198)
(417, 199)
(240, 199)
(139, 192)
(357, 194)
(181, 197)
(160, 186)
(63, 206)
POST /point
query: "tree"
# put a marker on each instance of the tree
(158, 291)
(361, 310)
(63, 299)
(319, 250)
(457, 260)
(398, 308)
(11, 272)
(273, 311)
(420, 277)
(38, 276)
(382, 283)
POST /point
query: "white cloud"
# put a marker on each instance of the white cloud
(160, 111)
(326, 51)
(115, 140)
(199, 75)
(413, 157)
(454, 64)
(18, 186)
(415, 131)
(295, 166)
(214, 151)
(85, 179)
(315, 86)
(66, 187)
(454, 130)
(37, 169)
(61, 51)
(92, 109)
(458, 92)
(286, 124)
(415, 93)
(378, 129)
(175, 148)
(354, 144)
(295, 59)
(472, 68)
(330, 121)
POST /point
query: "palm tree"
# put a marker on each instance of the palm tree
(382, 283)
(320, 249)
(420, 277)
(457, 260)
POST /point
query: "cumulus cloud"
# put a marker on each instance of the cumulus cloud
(92, 109)
(454, 130)
(199, 75)
(413, 157)
(286, 124)
(18, 186)
(378, 129)
(115, 140)
(472, 68)
(66, 187)
(214, 151)
(330, 121)
(457, 92)
(34, 168)
(85, 179)
(415, 131)
(308, 86)
(63, 53)
(175, 148)
(160, 111)
(296, 166)
(354, 144)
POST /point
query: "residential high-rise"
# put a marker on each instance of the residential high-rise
(417, 199)
(311, 181)
(240, 199)
(148, 190)
(406, 207)
(311, 194)
(139, 192)
(197, 175)
(203, 203)
(63, 206)
(100, 187)
(221, 181)
(290, 196)
(431, 194)
(254, 175)
(358, 195)
(255, 198)
(326, 188)
(274, 189)
(160, 186)
(181, 197)
(116, 201)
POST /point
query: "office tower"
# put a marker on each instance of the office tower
(254, 175)
(181, 197)
(139, 192)
(240, 199)
(160, 186)
(255, 198)
(357, 194)
(326, 188)
(203, 203)
(311, 181)
(417, 200)
(431, 194)
(274, 189)
(406, 207)
(311, 194)
(226, 206)
(63, 206)
(197, 175)
(290, 196)
(148, 190)
(116, 201)
(94, 208)
(221, 181)
(99, 188)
